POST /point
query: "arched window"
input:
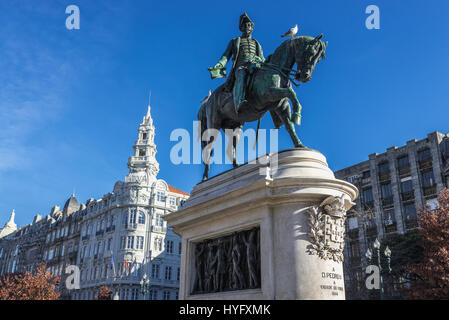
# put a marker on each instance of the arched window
(141, 217)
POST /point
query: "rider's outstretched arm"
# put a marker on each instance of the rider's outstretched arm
(227, 55)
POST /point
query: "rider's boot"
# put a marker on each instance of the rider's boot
(239, 91)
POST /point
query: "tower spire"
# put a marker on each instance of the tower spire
(144, 158)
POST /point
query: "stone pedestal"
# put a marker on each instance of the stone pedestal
(280, 225)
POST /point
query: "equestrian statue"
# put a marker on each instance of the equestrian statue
(256, 85)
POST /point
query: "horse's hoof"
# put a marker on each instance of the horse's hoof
(296, 119)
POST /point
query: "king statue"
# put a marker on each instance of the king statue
(245, 51)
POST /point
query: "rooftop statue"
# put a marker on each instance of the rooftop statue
(256, 85)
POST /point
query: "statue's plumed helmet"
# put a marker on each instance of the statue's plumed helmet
(244, 19)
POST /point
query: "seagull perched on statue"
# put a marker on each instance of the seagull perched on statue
(291, 32)
(206, 97)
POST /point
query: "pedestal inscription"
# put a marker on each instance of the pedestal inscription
(228, 263)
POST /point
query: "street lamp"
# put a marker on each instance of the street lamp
(144, 285)
(387, 253)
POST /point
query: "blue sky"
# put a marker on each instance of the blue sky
(71, 100)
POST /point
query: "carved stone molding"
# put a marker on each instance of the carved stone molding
(327, 228)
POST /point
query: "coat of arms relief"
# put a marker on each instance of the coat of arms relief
(327, 227)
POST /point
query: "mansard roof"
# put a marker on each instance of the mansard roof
(71, 205)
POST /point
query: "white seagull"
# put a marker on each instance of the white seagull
(291, 32)
(206, 98)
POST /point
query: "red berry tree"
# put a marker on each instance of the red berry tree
(431, 275)
(40, 285)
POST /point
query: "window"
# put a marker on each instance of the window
(389, 217)
(155, 271)
(159, 220)
(144, 136)
(366, 174)
(353, 223)
(141, 217)
(130, 244)
(410, 212)
(386, 190)
(368, 195)
(48, 238)
(109, 243)
(428, 179)
(62, 250)
(178, 274)
(172, 201)
(139, 244)
(132, 217)
(166, 295)
(153, 294)
(384, 168)
(50, 254)
(169, 246)
(160, 196)
(141, 153)
(70, 247)
(168, 270)
(406, 186)
(355, 249)
(424, 155)
(122, 242)
(403, 162)
(134, 294)
(180, 247)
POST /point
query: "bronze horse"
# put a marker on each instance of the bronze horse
(269, 90)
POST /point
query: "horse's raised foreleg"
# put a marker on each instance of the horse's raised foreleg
(276, 94)
(284, 113)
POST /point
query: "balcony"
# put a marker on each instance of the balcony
(426, 163)
(386, 202)
(383, 176)
(408, 196)
(428, 191)
(404, 171)
(131, 226)
(158, 229)
(411, 223)
(371, 231)
(390, 226)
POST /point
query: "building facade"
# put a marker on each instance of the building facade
(114, 241)
(393, 186)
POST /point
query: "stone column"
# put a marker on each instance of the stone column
(266, 231)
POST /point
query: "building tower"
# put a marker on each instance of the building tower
(144, 158)
(9, 227)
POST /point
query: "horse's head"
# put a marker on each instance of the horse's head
(313, 50)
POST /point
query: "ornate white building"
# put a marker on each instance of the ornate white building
(119, 238)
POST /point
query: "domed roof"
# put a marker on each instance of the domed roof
(71, 205)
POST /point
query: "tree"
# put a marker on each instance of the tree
(431, 275)
(104, 293)
(40, 285)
